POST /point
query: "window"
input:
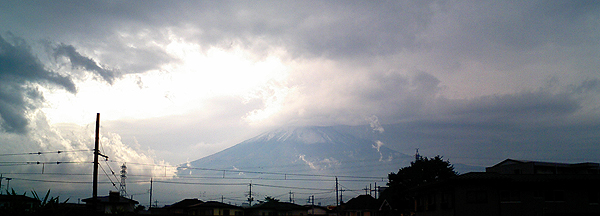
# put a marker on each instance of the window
(477, 197)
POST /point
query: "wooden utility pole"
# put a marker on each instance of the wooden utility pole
(313, 204)
(337, 202)
(376, 190)
(250, 198)
(150, 204)
(96, 153)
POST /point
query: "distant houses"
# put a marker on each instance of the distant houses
(112, 204)
(511, 187)
(277, 208)
(182, 207)
(12, 203)
(364, 205)
(514, 187)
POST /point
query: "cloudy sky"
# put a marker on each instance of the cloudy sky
(177, 81)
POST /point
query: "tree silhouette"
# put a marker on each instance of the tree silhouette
(270, 199)
(422, 171)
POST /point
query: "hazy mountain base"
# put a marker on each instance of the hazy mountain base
(301, 160)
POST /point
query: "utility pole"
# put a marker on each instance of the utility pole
(250, 198)
(313, 204)
(376, 190)
(96, 153)
(150, 204)
(8, 184)
(337, 202)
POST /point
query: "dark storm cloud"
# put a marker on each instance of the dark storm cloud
(454, 30)
(537, 125)
(472, 47)
(522, 106)
(19, 69)
(589, 85)
(20, 73)
(79, 61)
(19, 64)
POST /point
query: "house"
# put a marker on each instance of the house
(276, 208)
(362, 205)
(214, 208)
(316, 210)
(17, 203)
(511, 166)
(182, 207)
(112, 204)
(514, 187)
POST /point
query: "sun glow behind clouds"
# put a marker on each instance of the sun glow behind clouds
(175, 89)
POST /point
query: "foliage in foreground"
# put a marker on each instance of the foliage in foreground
(422, 171)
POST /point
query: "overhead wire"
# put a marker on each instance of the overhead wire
(256, 172)
(284, 176)
(57, 181)
(16, 163)
(111, 181)
(45, 152)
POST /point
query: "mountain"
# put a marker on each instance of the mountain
(299, 161)
(314, 150)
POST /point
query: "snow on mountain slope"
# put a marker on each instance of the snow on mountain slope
(322, 150)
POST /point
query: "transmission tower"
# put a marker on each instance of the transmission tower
(123, 187)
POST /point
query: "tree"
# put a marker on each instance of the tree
(270, 199)
(422, 171)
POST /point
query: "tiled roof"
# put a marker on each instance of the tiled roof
(106, 199)
(279, 206)
(185, 203)
(214, 204)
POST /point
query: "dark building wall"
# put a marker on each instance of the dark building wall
(513, 195)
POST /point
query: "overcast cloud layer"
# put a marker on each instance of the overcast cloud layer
(476, 81)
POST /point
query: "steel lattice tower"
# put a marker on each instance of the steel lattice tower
(123, 187)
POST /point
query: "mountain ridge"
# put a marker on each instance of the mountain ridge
(313, 149)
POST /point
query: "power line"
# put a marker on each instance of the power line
(254, 172)
(279, 173)
(111, 181)
(291, 187)
(61, 174)
(57, 181)
(47, 152)
(202, 183)
(16, 163)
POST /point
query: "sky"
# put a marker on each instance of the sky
(175, 81)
